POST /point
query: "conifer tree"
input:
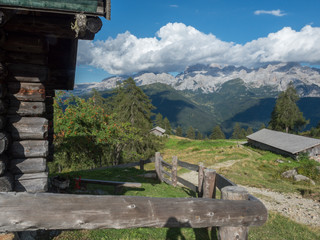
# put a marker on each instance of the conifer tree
(217, 133)
(191, 133)
(133, 106)
(199, 135)
(236, 132)
(179, 131)
(249, 131)
(286, 115)
(167, 126)
(159, 120)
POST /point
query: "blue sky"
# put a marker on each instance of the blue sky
(153, 35)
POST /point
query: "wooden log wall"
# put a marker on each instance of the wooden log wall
(26, 113)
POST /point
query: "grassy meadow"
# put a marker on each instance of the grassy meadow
(244, 166)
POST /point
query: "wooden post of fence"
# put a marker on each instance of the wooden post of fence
(200, 179)
(141, 164)
(209, 183)
(233, 233)
(157, 163)
(174, 170)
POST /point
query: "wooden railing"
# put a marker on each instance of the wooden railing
(234, 213)
(208, 182)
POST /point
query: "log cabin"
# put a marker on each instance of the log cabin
(38, 52)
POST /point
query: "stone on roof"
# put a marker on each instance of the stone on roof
(287, 142)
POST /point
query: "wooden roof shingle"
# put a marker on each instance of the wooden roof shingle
(287, 142)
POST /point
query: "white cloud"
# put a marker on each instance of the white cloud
(173, 6)
(277, 13)
(177, 46)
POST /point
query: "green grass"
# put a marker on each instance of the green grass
(255, 168)
(282, 228)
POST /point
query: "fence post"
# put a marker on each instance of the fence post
(157, 163)
(141, 164)
(209, 183)
(233, 233)
(174, 170)
(200, 179)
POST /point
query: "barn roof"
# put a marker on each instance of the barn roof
(159, 129)
(89, 7)
(287, 142)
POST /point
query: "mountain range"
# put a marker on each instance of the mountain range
(205, 95)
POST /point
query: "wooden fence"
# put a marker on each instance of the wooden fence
(234, 213)
(208, 182)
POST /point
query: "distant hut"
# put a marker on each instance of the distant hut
(284, 143)
(158, 131)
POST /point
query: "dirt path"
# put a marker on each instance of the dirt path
(292, 205)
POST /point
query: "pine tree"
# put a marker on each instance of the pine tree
(236, 131)
(179, 131)
(167, 126)
(249, 131)
(159, 120)
(199, 135)
(133, 106)
(286, 115)
(217, 133)
(190, 133)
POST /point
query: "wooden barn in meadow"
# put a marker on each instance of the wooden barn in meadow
(284, 143)
(158, 131)
(38, 53)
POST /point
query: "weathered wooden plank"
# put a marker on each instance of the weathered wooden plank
(110, 183)
(157, 164)
(3, 90)
(3, 163)
(222, 182)
(6, 183)
(166, 173)
(3, 71)
(31, 185)
(165, 164)
(3, 106)
(26, 108)
(30, 58)
(167, 181)
(189, 166)
(200, 179)
(2, 122)
(42, 25)
(28, 73)
(67, 211)
(30, 176)
(22, 128)
(234, 233)
(4, 142)
(209, 183)
(26, 44)
(29, 148)
(28, 165)
(187, 184)
(174, 171)
(33, 92)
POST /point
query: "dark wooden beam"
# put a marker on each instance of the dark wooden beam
(28, 212)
